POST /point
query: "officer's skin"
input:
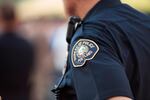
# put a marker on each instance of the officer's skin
(80, 8)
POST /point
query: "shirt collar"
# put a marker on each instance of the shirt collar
(101, 5)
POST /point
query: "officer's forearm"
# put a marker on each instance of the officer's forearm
(119, 98)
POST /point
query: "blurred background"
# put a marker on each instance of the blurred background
(43, 24)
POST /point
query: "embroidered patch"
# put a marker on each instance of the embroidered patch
(82, 51)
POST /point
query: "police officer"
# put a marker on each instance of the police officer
(108, 54)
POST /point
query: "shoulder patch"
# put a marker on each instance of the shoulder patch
(83, 51)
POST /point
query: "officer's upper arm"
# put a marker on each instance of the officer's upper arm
(120, 98)
(98, 72)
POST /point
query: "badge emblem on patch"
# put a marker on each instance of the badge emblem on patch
(83, 51)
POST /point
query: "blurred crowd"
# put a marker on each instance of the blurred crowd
(31, 53)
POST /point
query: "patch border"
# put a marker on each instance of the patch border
(76, 66)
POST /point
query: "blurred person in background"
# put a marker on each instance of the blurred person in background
(42, 77)
(16, 57)
(39, 31)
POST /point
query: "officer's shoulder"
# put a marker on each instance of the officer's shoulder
(120, 13)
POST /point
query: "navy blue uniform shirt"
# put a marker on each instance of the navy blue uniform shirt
(109, 54)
